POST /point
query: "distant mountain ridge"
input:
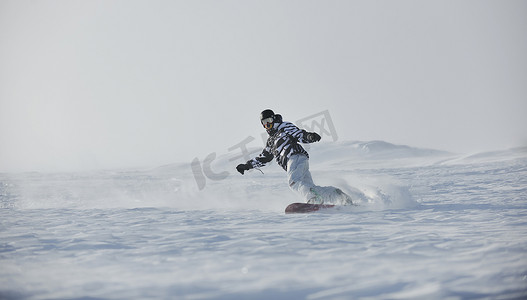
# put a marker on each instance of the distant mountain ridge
(373, 150)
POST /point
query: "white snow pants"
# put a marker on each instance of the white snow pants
(301, 182)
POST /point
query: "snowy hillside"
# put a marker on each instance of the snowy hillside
(429, 225)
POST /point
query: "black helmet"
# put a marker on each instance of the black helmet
(267, 119)
(266, 114)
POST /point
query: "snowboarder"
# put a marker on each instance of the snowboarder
(283, 144)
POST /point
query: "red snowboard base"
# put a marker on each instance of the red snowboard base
(296, 208)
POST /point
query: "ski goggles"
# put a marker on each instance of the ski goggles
(268, 123)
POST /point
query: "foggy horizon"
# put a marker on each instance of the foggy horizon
(100, 85)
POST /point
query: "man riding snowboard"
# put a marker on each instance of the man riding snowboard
(283, 144)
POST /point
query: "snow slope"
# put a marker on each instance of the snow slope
(430, 225)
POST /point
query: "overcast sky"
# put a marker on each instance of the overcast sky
(108, 84)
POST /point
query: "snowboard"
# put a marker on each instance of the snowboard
(295, 208)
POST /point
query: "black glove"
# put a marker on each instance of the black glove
(243, 167)
(313, 137)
